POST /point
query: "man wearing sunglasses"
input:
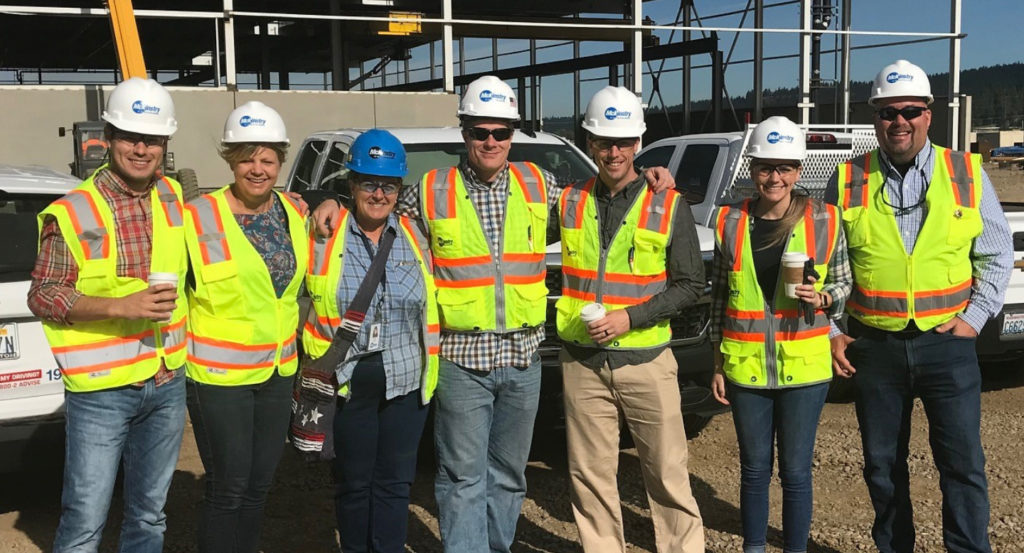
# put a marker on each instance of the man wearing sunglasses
(120, 343)
(931, 254)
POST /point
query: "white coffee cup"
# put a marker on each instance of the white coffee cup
(592, 312)
(163, 278)
(793, 271)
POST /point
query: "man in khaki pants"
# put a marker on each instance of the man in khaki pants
(630, 259)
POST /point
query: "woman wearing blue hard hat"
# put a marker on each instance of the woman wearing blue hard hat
(389, 371)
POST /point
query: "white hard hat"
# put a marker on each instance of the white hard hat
(777, 138)
(141, 106)
(614, 112)
(489, 96)
(254, 122)
(901, 78)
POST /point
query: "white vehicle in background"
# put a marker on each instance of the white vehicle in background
(31, 391)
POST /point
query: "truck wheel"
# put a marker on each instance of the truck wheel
(189, 184)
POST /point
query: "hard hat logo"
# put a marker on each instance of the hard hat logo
(376, 152)
(139, 107)
(896, 77)
(247, 121)
(775, 137)
(487, 96)
(612, 114)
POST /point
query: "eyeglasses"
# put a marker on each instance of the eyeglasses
(500, 134)
(371, 186)
(783, 169)
(134, 138)
(889, 113)
(604, 144)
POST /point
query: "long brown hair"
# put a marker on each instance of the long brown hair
(797, 206)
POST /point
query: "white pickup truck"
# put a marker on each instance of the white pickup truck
(1003, 337)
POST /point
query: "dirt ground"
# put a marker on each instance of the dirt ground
(300, 510)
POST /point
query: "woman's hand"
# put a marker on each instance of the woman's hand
(807, 294)
(718, 387)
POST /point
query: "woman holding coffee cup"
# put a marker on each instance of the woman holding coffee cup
(780, 273)
(248, 254)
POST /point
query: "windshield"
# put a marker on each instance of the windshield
(18, 227)
(564, 162)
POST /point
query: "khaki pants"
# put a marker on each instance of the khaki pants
(648, 396)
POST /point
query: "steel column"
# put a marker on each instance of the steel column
(953, 128)
(758, 61)
(229, 45)
(846, 62)
(805, 104)
(449, 63)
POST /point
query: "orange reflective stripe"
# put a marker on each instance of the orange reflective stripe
(645, 208)
(941, 310)
(952, 172)
(527, 192)
(809, 238)
(847, 180)
(743, 314)
(462, 261)
(103, 344)
(833, 229)
(741, 228)
(743, 336)
(234, 345)
(522, 257)
(523, 279)
(428, 183)
(944, 291)
(789, 335)
(970, 178)
(578, 294)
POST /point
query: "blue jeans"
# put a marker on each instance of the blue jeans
(139, 426)
(240, 433)
(790, 417)
(376, 440)
(483, 425)
(943, 371)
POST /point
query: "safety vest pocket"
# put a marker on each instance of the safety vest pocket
(857, 229)
(744, 362)
(464, 308)
(804, 361)
(538, 234)
(648, 255)
(531, 308)
(965, 225)
(446, 238)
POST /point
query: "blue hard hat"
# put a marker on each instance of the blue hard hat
(377, 152)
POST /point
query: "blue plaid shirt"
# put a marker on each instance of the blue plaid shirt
(991, 252)
(398, 305)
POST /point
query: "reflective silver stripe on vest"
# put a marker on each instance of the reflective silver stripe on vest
(209, 231)
(949, 302)
(529, 181)
(823, 239)
(169, 200)
(204, 351)
(858, 178)
(734, 324)
(729, 236)
(657, 211)
(443, 186)
(92, 234)
(575, 195)
(963, 181)
(173, 336)
(112, 354)
(878, 305)
(608, 288)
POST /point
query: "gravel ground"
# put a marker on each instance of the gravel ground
(300, 511)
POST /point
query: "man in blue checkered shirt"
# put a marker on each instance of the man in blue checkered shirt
(931, 254)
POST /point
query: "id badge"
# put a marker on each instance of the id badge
(374, 337)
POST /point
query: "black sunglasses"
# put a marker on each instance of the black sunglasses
(500, 134)
(889, 113)
(134, 138)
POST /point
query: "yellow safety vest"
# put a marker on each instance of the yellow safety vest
(98, 355)
(629, 272)
(931, 285)
(325, 269)
(479, 290)
(770, 346)
(238, 329)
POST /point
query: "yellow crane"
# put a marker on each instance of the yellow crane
(126, 38)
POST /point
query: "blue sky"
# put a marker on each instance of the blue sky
(991, 27)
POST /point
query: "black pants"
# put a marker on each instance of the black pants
(240, 433)
(376, 441)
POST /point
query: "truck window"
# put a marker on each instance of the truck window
(656, 157)
(694, 172)
(334, 173)
(302, 176)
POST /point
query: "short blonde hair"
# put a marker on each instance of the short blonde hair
(236, 152)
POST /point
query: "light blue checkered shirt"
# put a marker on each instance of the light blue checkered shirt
(992, 251)
(398, 305)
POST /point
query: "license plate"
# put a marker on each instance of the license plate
(1013, 324)
(9, 341)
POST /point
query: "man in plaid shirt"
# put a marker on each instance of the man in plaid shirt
(119, 343)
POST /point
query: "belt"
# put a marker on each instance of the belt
(909, 332)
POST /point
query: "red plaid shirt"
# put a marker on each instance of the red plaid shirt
(53, 291)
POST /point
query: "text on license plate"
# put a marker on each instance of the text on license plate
(1013, 324)
(9, 341)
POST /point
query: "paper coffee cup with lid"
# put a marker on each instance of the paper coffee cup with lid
(793, 271)
(163, 278)
(592, 312)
